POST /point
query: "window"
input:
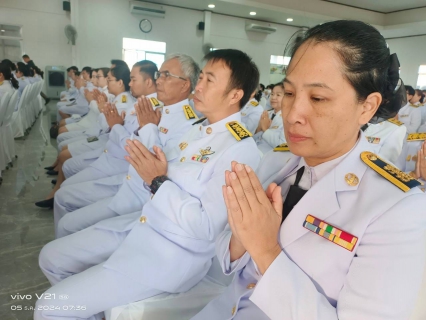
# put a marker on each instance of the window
(421, 80)
(135, 50)
(277, 66)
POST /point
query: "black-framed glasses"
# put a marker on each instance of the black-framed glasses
(166, 74)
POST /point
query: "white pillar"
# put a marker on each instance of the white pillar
(207, 26)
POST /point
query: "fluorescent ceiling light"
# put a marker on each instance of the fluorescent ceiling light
(211, 6)
(2, 30)
(289, 19)
(252, 13)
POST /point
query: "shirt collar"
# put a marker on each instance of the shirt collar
(207, 129)
(175, 108)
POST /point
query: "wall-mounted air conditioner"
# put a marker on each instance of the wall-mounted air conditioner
(147, 9)
(258, 27)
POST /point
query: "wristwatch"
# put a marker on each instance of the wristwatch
(157, 182)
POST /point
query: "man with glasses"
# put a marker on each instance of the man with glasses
(169, 246)
(176, 79)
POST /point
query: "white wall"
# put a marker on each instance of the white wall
(104, 23)
(229, 32)
(411, 53)
(43, 23)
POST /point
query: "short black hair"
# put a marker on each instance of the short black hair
(118, 62)
(22, 67)
(11, 65)
(148, 67)
(88, 70)
(122, 73)
(244, 72)
(367, 63)
(262, 86)
(26, 56)
(77, 73)
(410, 90)
(72, 68)
(104, 70)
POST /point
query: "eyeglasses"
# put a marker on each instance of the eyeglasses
(166, 74)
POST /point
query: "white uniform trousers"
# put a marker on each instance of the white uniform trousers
(85, 217)
(69, 135)
(89, 215)
(81, 146)
(80, 162)
(73, 197)
(75, 269)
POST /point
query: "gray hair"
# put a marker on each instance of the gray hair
(189, 67)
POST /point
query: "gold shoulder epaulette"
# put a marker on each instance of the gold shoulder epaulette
(418, 136)
(254, 103)
(154, 102)
(414, 105)
(282, 148)
(199, 121)
(402, 180)
(189, 113)
(238, 131)
(1, 83)
(123, 98)
(394, 121)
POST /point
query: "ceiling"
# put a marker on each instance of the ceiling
(385, 15)
(382, 6)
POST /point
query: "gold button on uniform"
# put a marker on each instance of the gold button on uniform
(142, 219)
(351, 179)
(251, 285)
(167, 111)
(128, 177)
(209, 130)
(234, 308)
(105, 151)
(182, 159)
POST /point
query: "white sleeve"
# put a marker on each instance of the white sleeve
(205, 217)
(274, 137)
(415, 121)
(382, 282)
(392, 147)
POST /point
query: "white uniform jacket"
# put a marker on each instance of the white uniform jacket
(172, 126)
(388, 136)
(250, 115)
(314, 278)
(273, 136)
(172, 245)
(411, 116)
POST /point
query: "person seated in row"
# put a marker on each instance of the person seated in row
(142, 83)
(8, 83)
(11, 65)
(174, 81)
(118, 85)
(105, 265)
(22, 75)
(67, 95)
(269, 132)
(250, 114)
(410, 114)
(80, 106)
(330, 238)
(100, 85)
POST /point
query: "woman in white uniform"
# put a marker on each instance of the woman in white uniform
(269, 132)
(330, 238)
(8, 83)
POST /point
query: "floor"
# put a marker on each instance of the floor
(24, 228)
